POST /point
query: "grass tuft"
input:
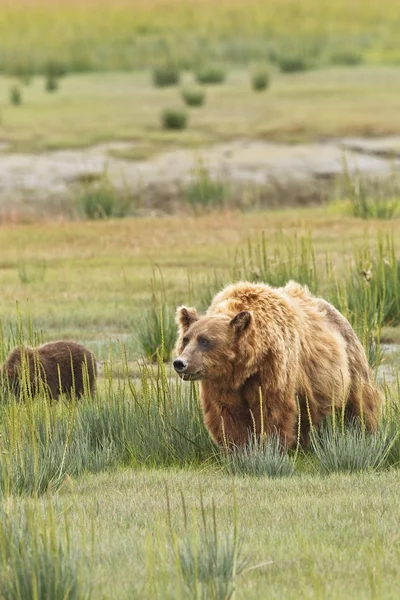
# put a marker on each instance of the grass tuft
(259, 458)
(174, 118)
(194, 96)
(210, 74)
(166, 75)
(260, 79)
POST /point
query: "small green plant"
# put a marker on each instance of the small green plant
(99, 199)
(206, 560)
(210, 74)
(54, 67)
(156, 331)
(193, 96)
(372, 198)
(260, 457)
(31, 272)
(204, 192)
(260, 79)
(174, 118)
(35, 562)
(15, 95)
(51, 83)
(351, 449)
(166, 75)
(290, 257)
(292, 63)
(346, 57)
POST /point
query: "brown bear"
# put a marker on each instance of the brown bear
(263, 353)
(62, 367)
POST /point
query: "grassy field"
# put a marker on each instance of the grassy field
(107, 493)
(94, 108)
(129, 34)
(124, 494)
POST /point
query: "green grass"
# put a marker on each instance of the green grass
(299, 536)
(88, 109)
(126, 35)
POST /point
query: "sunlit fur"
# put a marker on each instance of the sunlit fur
(56, 367)
(293, 349)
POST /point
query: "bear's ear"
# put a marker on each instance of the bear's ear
(186, 316)
(241, 321)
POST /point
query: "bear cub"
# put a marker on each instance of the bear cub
(61, 367)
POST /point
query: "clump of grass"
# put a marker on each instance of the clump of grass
(207, 561)
(15, 95)
(53, 70)
(371, 292)
(101, 200)
(260, 79)
(174, 118)
(204, 192)
(351, 449)
(292, 63)
(260, 457)
(346, 57)
(193, 96)
(36, 562)
(210, 74)
(291, 257)
(31, 272)
(51, 84)
(156, 331)
(166, 75)
(372, 198)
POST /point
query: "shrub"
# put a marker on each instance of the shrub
(15, 95)
(346, 57)
(174, 118)
(54, 68)
(204, 192)
(292, 63)
(260, 79)
(350, 449)
(211, 74)
(193, 96)
(166, 75)
(259, 457)
(51, 84)
(101, 200)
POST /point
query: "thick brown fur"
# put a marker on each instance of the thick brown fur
(262, 354)
(62, 367)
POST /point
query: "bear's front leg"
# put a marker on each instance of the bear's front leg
(273, 413)
(226, 416)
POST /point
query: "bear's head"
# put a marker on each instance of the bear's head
(213, 347)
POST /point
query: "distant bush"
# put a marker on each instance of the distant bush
(211, 74)
(346, 57)
(100, 200)
(260, 79)
(54, 68)
(15, 95)
(166, 75)
(292, 63)
(51, 84)
(193, 96)
(174, 118)
(205, 192)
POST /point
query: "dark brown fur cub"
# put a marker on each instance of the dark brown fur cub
(61, 367)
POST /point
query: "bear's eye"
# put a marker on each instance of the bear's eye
(204, 342)
(185, 341)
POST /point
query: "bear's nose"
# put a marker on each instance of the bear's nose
(179, 365)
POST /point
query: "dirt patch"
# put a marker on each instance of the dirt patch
(275, 173)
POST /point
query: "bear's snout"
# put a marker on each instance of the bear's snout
(179, 365)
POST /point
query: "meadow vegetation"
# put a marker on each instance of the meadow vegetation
(124, 494)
